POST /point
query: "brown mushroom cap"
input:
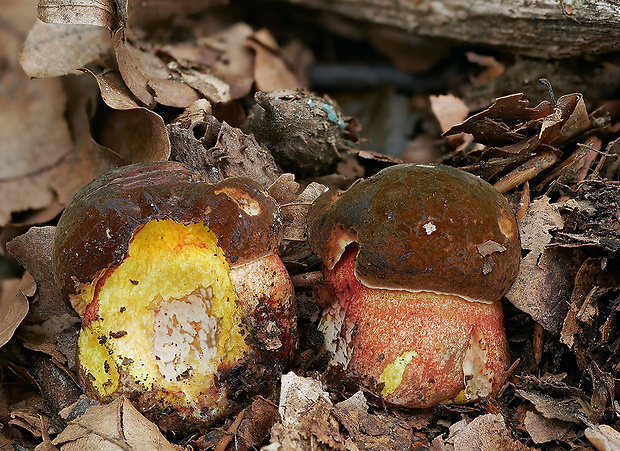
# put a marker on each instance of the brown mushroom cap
(421, 227)
(95, 229)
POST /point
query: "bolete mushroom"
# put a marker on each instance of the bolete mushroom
(418, 257)
(186, 308)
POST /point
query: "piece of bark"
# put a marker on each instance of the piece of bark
(548, 28)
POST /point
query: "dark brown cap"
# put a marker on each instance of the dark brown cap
(421, 227)
(94, 231)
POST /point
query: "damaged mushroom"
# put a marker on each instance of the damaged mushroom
(186, 308)
(418, 257)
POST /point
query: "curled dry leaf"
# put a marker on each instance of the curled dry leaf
(512, 127)
(149, 78)
(101, 13)
(115, 426)
(33, 250)
(13, 308)
(52, 50)
(235, 64)
(44, 160)
(568, 409)
(114, 91)
(368, 431)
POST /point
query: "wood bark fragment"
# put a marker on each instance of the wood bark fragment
(545, 28)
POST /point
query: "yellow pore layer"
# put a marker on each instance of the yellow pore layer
(166, 261)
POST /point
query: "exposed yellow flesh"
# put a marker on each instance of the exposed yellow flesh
(392, 375)
(166, 261)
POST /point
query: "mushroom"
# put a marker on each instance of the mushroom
(186, 308)
(418, 257)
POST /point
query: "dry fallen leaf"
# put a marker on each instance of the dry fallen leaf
(270, 70)
(33, 250)
(306, 417)
(545, 277)
(13, 308)
(115, 426)
(484, 433)
(101, 13)
(149, 78)
(543, 430)
(448, 110)
(52, 50)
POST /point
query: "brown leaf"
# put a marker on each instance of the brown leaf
(545, 276)
(115, 426)
(135, 135)
(284, 189)
(270, 71)
(294, 213)
(235, 65)
(540, 219)
(499, 124)
(256, 424)
(101, 13)
(18, 17)
(213, 88)
(52, 50)
(51, 164)
(543, 430)
(114, 91)
(449, 110)
(306, 417)
(33, 250)
(33, 132)
(484, 433)
(13, 308)
(368, 431)
(149, 78)
(571, 410)
(543, 285)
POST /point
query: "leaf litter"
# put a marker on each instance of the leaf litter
(150, 92)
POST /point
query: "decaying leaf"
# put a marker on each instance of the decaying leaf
(101, 13)
(484, 433)
(545, 277)
(306, 420)
(115, 426)
(72, 47)
(13, 308)
(544, 430)
(114, 91)
(270, 70)
(149, 78)
(33, 250)
(367, 431)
